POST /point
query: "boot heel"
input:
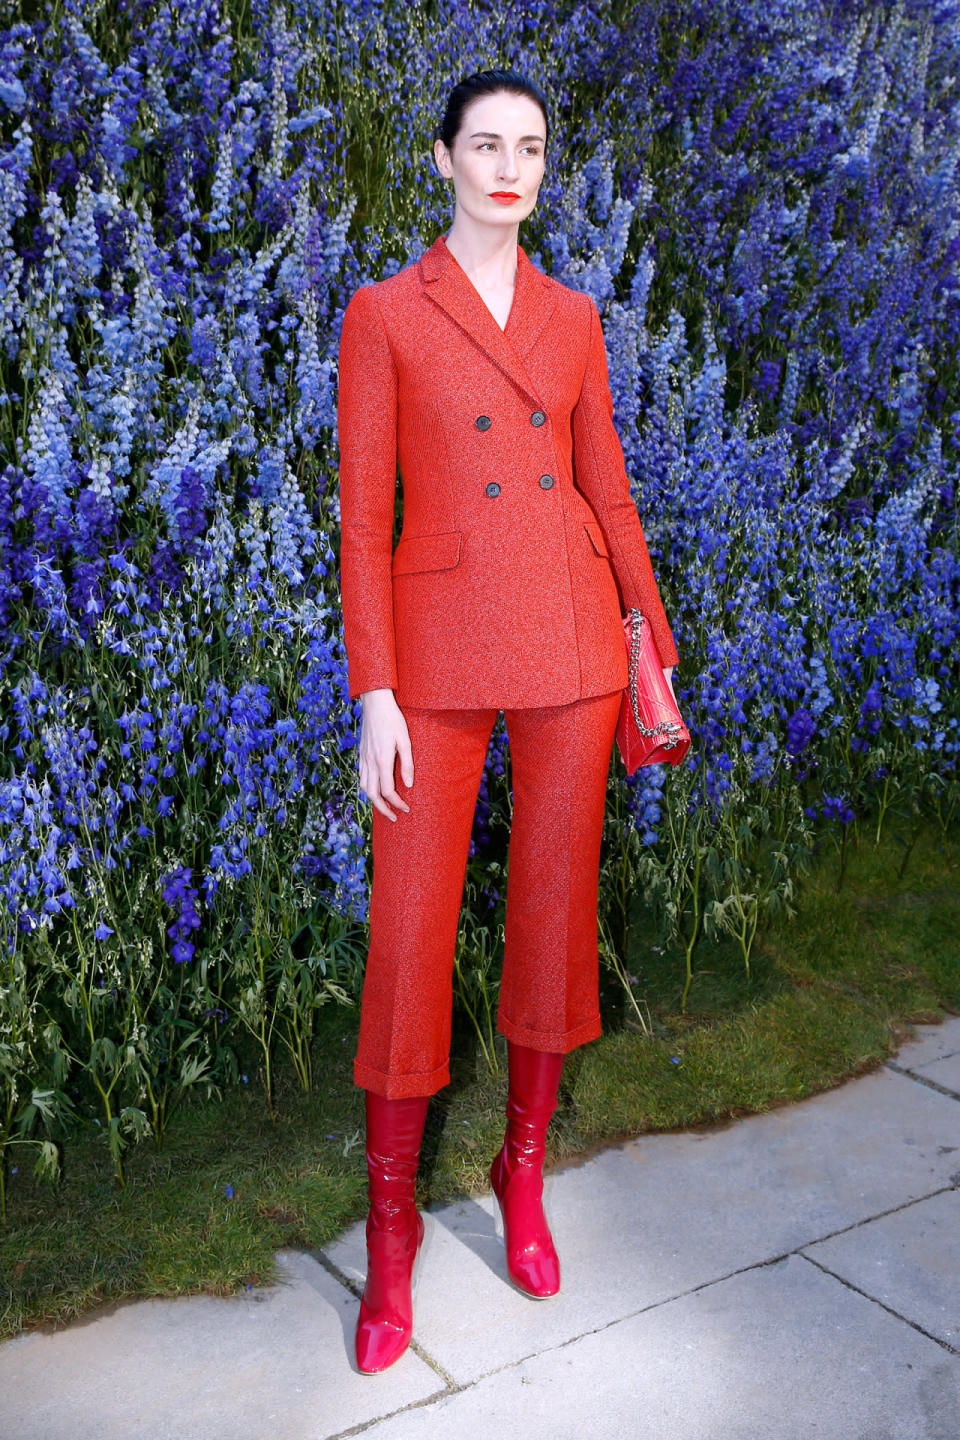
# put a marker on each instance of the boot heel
(498, 1229)
(546, 1200)
(425, 1237)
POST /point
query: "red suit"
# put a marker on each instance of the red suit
(521, 546)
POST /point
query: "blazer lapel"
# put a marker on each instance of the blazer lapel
(448, 284)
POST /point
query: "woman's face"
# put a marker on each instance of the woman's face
(499, 148)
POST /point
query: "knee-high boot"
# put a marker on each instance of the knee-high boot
(517, 1171)
(394, 1228)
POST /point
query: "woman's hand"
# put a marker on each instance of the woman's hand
(668, 671)
(383, 735)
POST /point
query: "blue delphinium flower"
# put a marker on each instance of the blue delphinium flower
(182, 896)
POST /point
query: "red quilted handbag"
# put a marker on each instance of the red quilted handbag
(649, 726)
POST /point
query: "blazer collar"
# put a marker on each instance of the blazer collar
(447, 283)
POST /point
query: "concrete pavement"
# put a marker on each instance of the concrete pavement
(787, 1275)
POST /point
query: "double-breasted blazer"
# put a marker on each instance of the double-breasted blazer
(521, 545)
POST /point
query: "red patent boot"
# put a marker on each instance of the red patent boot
(517, 1171)
(394, 1229)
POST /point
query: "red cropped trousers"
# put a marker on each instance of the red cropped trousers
(549, 992)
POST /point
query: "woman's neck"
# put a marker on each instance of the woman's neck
(490, 259)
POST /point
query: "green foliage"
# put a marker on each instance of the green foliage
(478, 963)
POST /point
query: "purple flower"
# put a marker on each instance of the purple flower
(181, 896)
(837, 807)
(871, 711)
(800, 727)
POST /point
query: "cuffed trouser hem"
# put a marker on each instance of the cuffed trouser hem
(400, 1087)
(557, 1041)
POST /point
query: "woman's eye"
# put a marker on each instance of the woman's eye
(489, 145)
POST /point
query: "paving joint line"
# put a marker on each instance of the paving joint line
(952, 1184)
(333, 1269)
(922, 1079)
(355, 1288)
(944, 1344)
(391, 1414)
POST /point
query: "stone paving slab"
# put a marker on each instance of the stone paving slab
(909, 1261)
(934, 1054)
(645, 1221)
(945, 1072)
(265, 1365)
(929, 1043)
(780, 1352)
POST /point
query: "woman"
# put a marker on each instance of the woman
(521, 548)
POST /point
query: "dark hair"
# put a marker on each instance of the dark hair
(487, 82)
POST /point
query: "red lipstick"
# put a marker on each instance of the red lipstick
(505, 197)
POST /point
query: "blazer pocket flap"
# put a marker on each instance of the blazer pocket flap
(596, 535)
(427, 552)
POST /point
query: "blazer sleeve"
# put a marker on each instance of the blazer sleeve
(367, 436)
(601, 475)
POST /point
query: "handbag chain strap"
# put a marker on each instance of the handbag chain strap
(670, 729)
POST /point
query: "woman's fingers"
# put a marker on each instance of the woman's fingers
(371, 789)
(406, 757)
(383, 738)
(387, 787)
(377, 783)
(372, 785)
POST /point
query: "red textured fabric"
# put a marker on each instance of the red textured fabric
(549, 993)
(499, 599)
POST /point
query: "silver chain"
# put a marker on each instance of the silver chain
(669, 728)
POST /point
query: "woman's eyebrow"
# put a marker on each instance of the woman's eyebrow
(492, 135)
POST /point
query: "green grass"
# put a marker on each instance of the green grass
(829, 997)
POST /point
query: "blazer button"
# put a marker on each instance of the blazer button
(483, 422)
(537, 418)
(546, 481)
(493, 488)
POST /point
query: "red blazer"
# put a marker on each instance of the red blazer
(521, 545)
